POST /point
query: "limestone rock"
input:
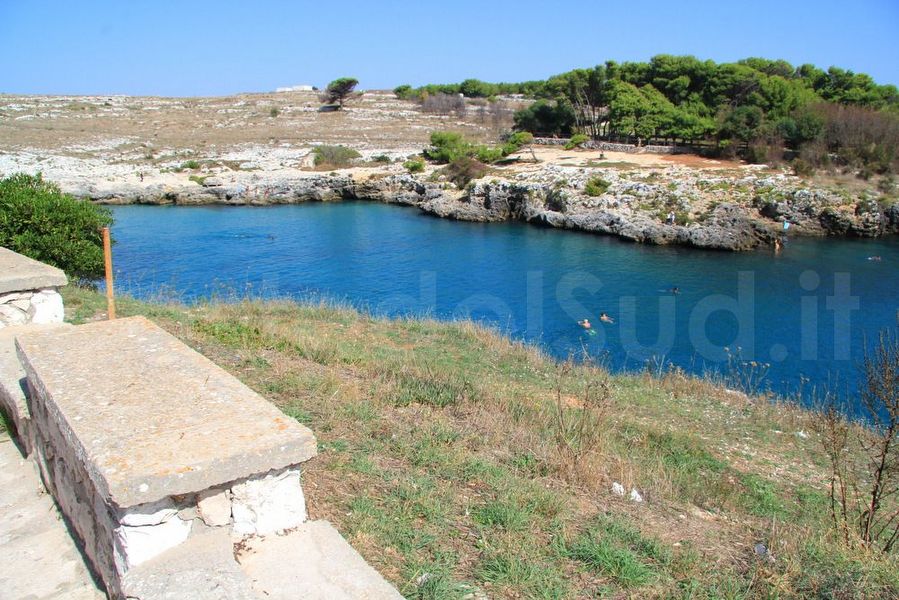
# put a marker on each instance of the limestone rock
(214, 507)
(46, 307)
(269, 504)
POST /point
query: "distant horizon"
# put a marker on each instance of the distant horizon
(209, 48)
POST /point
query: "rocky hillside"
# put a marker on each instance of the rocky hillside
(256, 149)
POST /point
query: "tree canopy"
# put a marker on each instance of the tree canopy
(682, 99)
(339, 90)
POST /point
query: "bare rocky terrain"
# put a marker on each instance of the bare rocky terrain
(256, 149)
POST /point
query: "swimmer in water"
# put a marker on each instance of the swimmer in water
(605, 318)
(675, 290)
(874, 258)
(585, 324)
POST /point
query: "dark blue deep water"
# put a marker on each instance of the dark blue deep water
(806, 312)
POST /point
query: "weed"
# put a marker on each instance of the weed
(596, 186)
(334, 157)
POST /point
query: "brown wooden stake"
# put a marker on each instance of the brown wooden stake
(107, 258)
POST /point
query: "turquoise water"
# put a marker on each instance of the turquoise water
(806, 313)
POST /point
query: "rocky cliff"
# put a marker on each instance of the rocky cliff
(729, 215)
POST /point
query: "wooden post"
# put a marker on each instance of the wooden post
(107, 259)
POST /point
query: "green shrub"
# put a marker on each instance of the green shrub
(463, 169)
(405, 92)
(521, 138)
(596, 186)
(381, 158)
(414, 166)
(576, 140)
(274, 112)
(334, 156)
(197, 179)
(190, 164)
(447, 146)
(38, 220)
(486, 154)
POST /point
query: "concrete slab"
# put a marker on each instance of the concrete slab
(312, 562)
(203, 568)
(40, 558)
(19, 273)
(13, 389)
(150, 417)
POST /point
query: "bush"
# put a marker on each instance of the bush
(463, 169)
(576, 141)
(190, 164)
(414, 166)
(521, 138)
(802, 168)
(38, 220)
(274, 112)
(405, 92)
(334, 156)
(447, 146)
(488, 155)
(381, 158)
(596, 186)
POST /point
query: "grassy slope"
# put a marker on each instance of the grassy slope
(443, 460)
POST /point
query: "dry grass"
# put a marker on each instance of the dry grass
(199, 125)
(440, 461)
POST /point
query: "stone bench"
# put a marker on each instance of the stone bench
(13, 384)
(29, 290)
(144, 442)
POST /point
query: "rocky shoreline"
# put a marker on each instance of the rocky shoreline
(626, 210)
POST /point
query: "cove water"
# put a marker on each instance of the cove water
(807, 312)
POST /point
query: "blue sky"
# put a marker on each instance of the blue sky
(199, 47)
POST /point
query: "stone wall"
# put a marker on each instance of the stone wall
(613, 147)
(41, 307)
(28, 290)
(135, 482)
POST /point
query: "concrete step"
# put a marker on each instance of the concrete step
(312, 562)
(39, 558)
(203, 568)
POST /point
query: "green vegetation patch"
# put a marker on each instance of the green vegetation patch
(41, 222)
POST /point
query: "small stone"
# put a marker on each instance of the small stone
(802, 434)
(635, 495)
(10, 315)
(214, 507)
(617, 489)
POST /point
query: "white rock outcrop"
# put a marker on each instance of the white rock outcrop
(269, 504)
